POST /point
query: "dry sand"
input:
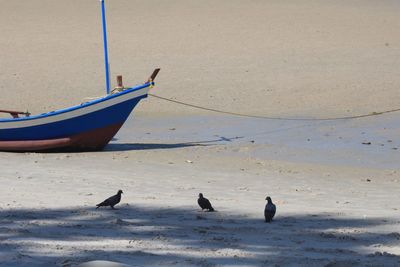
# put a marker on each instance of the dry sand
(337, 198)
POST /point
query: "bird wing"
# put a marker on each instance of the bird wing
(201, 203)
(114, 199)
(270, 209)
(207, 204)
(109, 201)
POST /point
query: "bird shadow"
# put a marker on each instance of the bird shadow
(155, 236)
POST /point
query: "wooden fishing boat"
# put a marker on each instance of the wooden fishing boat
(85, 127)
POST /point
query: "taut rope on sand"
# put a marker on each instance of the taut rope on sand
(275, 118)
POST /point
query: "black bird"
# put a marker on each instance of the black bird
(204, 203)
(111, 201)
(270, 210)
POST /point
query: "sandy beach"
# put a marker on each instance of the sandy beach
(335, 182)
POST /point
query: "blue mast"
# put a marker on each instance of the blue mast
(103, 13)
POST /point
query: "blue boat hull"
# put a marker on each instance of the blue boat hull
(89, 126)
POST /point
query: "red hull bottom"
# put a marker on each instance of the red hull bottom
(93, 140)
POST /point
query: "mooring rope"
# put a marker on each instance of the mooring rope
(274, 118)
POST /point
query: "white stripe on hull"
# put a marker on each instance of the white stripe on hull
(50, 117)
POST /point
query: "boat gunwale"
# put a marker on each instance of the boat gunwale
(76, 107)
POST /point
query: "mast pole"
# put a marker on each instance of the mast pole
(107, 65)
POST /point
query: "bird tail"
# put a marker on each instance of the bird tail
(211, 209)
(268, 219)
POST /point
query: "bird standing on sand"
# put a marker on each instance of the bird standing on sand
(111, 201)
(270, 210)
(204, 203)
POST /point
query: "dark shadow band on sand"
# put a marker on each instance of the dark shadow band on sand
(170, 236)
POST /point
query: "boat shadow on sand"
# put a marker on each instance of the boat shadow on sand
(153, 146)
(155, 236)
(148, 146)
